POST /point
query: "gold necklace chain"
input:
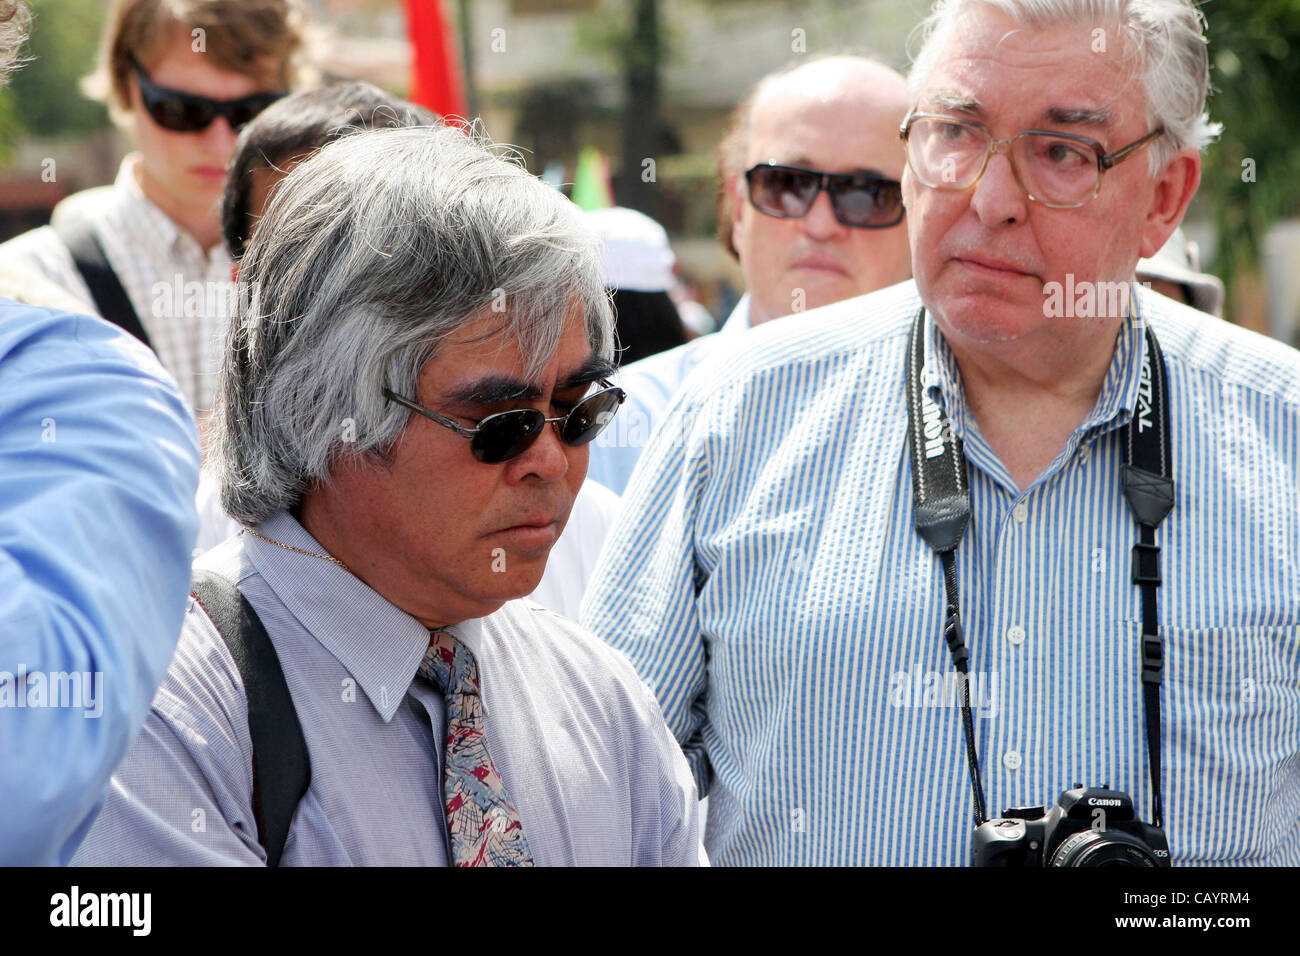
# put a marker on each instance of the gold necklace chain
(289, 547)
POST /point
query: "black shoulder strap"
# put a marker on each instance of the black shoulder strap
(105, 287)
(1149, 490)
(281, 767)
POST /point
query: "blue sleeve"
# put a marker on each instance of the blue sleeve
(98, 469)
(642, 597)
(183, 794)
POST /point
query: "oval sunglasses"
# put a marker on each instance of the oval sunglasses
(506, 435)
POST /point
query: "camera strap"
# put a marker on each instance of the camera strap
(941, 510)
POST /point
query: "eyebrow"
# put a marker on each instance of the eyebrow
(958, 102)
(1053, 115)
(500, 389)
(1060, 116)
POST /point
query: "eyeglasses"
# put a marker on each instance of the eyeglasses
(859, 200)
(1059, 170)
(506, 435)
(183, 112)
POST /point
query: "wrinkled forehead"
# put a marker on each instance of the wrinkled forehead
(988, 63)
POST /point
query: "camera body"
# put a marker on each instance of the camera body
(1088, 826)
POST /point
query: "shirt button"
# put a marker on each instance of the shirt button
(1084, 454)
(1016, 634)
(1011, 760)
(1020, 512)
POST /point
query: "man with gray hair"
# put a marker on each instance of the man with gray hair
(1020, 525)
(405, 405)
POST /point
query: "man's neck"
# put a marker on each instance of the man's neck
(199, 221)
(1028, 397)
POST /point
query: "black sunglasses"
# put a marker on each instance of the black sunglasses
(506, 435)
(183, 112)
(860, 200)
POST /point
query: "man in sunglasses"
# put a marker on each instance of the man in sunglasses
(808, 203)
(970, 541)
(146, 253)
(419, 368)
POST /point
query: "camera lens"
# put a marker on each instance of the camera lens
(1103, 848)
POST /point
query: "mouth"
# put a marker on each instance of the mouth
(209, 172)
(996, 268)
(816, 263)
(539, 532)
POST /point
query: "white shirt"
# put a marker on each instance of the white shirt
(180, 293)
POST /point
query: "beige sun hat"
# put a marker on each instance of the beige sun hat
(1178, 261)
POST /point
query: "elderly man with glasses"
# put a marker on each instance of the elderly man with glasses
(414, 372)
(809, 203)
(1020, 525)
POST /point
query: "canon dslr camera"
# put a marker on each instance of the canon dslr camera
(1089, 826)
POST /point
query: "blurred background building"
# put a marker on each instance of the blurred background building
(640, 89)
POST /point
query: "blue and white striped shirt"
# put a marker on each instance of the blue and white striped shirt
(651, 385)
(767, 580)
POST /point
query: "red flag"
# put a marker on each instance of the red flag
(436, 80)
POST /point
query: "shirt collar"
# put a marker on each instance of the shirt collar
(738, 321)
(379, 644)
(160, 231)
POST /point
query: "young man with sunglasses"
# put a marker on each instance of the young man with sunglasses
(404, 425)
(808, 202)
(958, 545)
(146, 252)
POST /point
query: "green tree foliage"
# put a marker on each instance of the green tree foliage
(1251, 175)
(45, 99)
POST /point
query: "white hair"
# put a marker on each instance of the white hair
(371, 253)
(15, 19)
(1168, 35)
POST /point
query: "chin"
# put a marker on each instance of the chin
(988, 322)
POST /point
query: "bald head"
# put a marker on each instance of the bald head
(839, 115)
(874, 91)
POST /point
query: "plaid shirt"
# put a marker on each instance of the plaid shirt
(180, 293)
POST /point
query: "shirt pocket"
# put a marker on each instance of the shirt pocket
(1232, 743)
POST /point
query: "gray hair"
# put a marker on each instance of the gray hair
(371, 253)
(15, 19)
(1170, 38)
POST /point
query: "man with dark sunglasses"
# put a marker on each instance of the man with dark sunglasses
(808, 202)
(417, 372)
(1018, 526)
(146, 252)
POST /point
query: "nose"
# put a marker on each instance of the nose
(820, 222)
(220, 138)
(998, 198)
(547, 457)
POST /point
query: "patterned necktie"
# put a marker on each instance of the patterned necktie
(483, 823)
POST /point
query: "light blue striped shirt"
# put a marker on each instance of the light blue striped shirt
(651, 384)
(576, 736)
(767, 580)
